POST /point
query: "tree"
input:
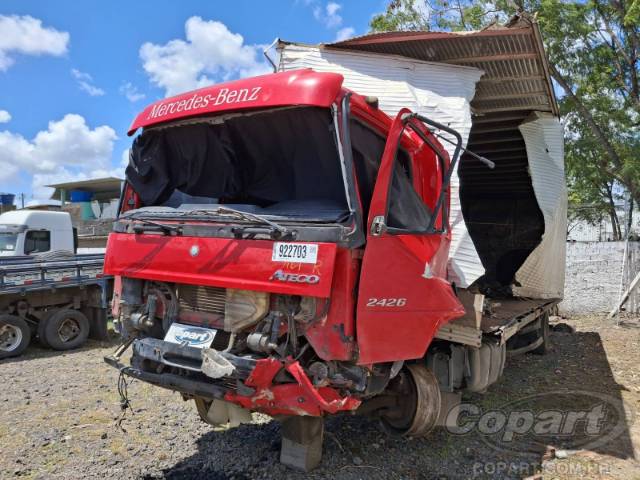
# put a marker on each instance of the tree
(593, 49)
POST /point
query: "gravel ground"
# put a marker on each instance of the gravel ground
(59, 412)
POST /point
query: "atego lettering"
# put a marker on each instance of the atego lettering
(225, 96)
(283, 276)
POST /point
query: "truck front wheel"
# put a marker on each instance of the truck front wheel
(66, 329)
(417, 404)
(15, 336)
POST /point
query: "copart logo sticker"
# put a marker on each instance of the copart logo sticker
(194, 337)
(282, 276)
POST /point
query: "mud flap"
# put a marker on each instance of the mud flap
(98, 327)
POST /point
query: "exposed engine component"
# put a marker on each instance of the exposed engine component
(198, 298)
(166, 305)
(260, 342)
(307, 310)
(130, 304)
(319, 372)
(244, 308)
(228, 308)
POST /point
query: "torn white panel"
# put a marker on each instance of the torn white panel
(435, 90)
(542, 274)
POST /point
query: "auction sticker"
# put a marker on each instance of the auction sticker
(193, 336)
(295, 252)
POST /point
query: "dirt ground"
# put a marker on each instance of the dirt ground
(59, 413)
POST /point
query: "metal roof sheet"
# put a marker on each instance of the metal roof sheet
(516, 82)
(108, 187)
(512, 57)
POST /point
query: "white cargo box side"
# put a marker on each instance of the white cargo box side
(436, 90)
(444, 92)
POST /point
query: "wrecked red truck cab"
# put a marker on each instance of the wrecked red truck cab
(281, 247)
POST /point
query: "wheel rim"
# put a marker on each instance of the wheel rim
(399, 419)
(68, 330)
(418, 403)
(10, 337)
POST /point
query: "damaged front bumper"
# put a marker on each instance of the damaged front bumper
(247, 382)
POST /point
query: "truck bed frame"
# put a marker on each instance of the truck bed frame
(507, 317)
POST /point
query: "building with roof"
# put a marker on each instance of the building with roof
(92, 204)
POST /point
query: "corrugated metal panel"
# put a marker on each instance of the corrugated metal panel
(542, 274)
(515, 83)
(435, 90)
(510, 53)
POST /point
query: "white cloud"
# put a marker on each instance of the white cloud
(328, 14)
(4, 116)
(67, 150)
(131, 92)
(345, 33)
(26, 35)
(210, 53)
(85, 82)
(332, 18)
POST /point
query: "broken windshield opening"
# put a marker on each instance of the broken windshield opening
(281, 164)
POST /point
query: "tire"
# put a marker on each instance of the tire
(97, 322)
(66, 329)
(419, 403)
(42, 325)
(544, 334)
(15, 336)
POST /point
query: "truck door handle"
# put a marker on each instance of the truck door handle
(378, 226)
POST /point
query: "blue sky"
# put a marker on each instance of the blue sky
(74, 74)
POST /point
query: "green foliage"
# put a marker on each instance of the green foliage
(401, 15)
(633, 14)
(593, 48)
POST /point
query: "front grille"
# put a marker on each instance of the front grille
(198, 298)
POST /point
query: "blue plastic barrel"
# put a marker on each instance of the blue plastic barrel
(7, 198)
(77, 196)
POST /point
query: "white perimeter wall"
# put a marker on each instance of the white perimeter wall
(592, 280)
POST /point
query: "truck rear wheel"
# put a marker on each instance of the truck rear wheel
(15, 336)
(41, 326)
(66, 329)
(417, 402)
(544, 335)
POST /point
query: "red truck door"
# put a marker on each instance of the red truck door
(403, 293)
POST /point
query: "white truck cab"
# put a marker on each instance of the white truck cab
(32, 232)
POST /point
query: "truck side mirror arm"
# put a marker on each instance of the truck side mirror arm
(408, 120)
